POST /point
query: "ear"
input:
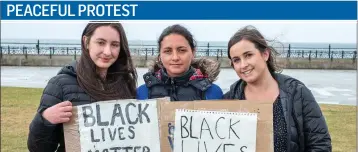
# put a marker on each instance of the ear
(84, 40)
(194, 52)
(266, 54)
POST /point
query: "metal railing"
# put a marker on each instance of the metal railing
(151, 50)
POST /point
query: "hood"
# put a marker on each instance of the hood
(69, 69)
(208, 67)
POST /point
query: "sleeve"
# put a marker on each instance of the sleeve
(214, 93)
(44, 136)
(317, 137)
(227, 95)
(142, 92)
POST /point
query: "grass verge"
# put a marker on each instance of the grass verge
(18, 106)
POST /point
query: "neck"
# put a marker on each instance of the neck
(102, 73)
(265, 82)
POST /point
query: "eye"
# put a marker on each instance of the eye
(101, 43)
(248, 55)
(115, 45)
(167, 51)
(236, 60)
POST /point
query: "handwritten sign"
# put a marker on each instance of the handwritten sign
(208, 131)
(119, 126)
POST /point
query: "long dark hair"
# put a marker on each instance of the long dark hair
(121, 79)
(253, 35)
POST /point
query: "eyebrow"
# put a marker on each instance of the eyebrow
(101, 39)
(234, 57)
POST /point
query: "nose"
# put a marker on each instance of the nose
(243, 64)
(107, 50)
(175, 56)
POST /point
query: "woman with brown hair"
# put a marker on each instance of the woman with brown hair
(298, 122)
(104, 72)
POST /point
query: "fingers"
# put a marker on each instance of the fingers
(66, 114)
(63, 120)
(64, 104)
(66, 109)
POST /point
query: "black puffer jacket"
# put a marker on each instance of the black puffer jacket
(44, 136)
(306, 126)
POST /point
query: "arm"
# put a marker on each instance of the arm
(142, 92)
(317, 137)
(44, 136)
(214, 93)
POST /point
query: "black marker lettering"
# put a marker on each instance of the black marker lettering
(87, 116)
(117, 114)
(112, 136)
(233, 129)
(99, 121)
(92, 137)
(120, 133)
(142, 112)
(131, 129)
(227, 145)
(191, 128)
(216, 128)
(201, 131)
(183, 126)
(127, 114)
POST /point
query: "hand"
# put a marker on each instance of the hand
(59, 113)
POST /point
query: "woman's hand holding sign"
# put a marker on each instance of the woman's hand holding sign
(59, 113)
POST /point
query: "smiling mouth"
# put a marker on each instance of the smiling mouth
(247, 72)
(105, 60)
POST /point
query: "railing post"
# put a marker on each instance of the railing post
(342, 54)
(289, 51)
(146, 54)
(309, 56)
(75, 54)
(217, 54)
(303, 52)
(25, 51)
(50, 53)
(67, 50)
(207, 51)
(38, 47)
(329, 50)
(354, 56)
(8, 49)
(316, 54)
(152, 51)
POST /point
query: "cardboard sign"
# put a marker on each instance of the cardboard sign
(97, 119)
(264, 131)
(117, 126)
(203, 131)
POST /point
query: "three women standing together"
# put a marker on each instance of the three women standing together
(105, 71)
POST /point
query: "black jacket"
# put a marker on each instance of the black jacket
(44, 136)
(306, 126)
(195, 84)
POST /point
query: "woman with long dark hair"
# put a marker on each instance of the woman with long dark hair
(104, 72)
(298, 122)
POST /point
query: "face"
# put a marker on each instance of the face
(248, 62)
(104, 46)
(176, 54)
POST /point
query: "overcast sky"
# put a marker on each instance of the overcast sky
(284, 31)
